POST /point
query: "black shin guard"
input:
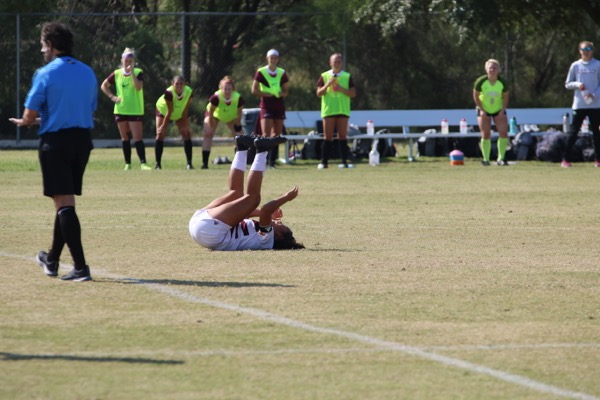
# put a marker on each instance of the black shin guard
(344, 150)
(58, 243)
(158, 151)
(140, 149)
(126, 144)
(326, 151)
(187, 147)
(71, 232)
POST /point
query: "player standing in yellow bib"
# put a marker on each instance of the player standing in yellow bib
(129, 105)
(490, 93)
(270, 83)
(335, 88)
(173, 106)
(226, 106)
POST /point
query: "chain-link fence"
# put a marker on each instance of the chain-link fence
(421, 66)
(203, 47)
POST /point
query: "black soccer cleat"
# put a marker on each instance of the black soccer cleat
(266, 144)
(50, 267)
(244, 142)
(78, 275)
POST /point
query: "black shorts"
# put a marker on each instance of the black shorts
(337, 116)
(479, 112)
(63, 157)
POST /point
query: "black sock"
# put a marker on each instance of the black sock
(158, 150)
(71, 232)
(57, 241)
(273, 156)
(344, 150)
(187, 147)
(141, 151)
(205, 157)
(325, 151)
(251, 155)
(126, 151)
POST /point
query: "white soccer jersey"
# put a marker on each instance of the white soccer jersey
(214, 234)
(245, 236)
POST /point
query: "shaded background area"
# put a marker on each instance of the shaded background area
(403, 54)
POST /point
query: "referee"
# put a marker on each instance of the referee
(62, 99)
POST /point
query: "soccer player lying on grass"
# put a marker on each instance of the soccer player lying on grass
(225, 223)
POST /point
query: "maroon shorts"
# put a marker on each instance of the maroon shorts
(271, 109)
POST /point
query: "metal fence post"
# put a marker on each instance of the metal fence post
(18, 66)
(184, 48)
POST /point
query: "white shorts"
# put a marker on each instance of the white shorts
(208, 231)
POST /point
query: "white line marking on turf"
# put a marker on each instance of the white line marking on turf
(384, 344)
(515, 346)
(415, 351)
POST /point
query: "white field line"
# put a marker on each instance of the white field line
(383, 344)
(516, 346)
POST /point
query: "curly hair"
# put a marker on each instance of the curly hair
(287, 242)
(59, 35)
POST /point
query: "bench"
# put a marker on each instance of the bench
(410, 124)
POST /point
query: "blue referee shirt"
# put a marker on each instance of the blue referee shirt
(65, 95)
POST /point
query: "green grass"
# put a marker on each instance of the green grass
(494, 266)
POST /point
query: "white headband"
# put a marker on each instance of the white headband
(272, 52)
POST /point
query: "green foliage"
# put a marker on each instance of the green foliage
(25, 6)
(388, 15)
(402, 54)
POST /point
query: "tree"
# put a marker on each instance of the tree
(403, 54)
(435, 44)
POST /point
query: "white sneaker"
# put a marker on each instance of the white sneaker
(346, 165)
(321, 166)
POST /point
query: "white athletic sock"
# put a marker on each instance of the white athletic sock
(240, 160)
(260, 162)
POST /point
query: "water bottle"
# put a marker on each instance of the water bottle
(444, 126)
(463, 126)
(370, 127)
(566, 123)
(374, 154)
(513, 128)
(585, 127)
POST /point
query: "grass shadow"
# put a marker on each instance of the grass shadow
(341, 250)
(131, 360)
(177, 282)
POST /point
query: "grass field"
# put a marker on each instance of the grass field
(419, 281)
